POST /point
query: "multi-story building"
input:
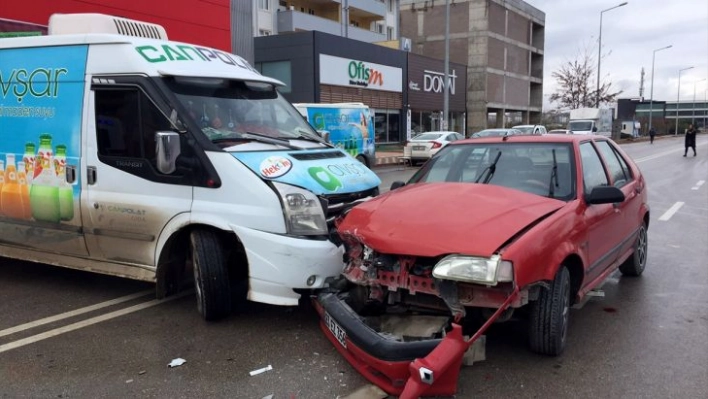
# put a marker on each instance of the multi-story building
(500, 41)
(364, 20)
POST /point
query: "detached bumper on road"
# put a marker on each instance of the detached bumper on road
(405, 369)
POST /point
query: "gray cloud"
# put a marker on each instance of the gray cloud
(630, 34)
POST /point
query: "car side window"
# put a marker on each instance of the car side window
(126, 122)
(618, 168)
(593, 171)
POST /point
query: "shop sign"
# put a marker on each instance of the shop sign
(340, 71)
(433, 81)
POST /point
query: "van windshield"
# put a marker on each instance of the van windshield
(580, 126)
(233, 109)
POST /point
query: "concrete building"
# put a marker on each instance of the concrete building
(500, 41)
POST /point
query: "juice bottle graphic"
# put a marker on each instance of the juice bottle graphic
(2, 182)
(10, 196)
(29, 161)
(24, 190)
(66, 192)
(44, 193)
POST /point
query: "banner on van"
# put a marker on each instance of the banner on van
(322, 172)
(350, 128)
(41, 99)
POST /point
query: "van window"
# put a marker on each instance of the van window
(126, 122)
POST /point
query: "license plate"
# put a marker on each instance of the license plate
(418, 148)
(336, 329)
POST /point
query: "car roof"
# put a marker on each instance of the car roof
(568, 138)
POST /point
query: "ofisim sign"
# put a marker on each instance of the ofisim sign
(340, 71)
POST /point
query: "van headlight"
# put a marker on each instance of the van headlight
(303, 211)
(488, 271)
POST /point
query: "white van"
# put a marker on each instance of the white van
(130, 155)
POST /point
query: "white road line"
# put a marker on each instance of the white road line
(72, 313)
(674, 208)
(88, 322)
(698, 185)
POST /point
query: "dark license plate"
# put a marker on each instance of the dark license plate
(336, 329)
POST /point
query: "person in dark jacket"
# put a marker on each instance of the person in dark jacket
(652, 133)
(690, 140)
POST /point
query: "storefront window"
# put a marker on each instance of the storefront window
(280, 70)
(387, 126)
(428, 121)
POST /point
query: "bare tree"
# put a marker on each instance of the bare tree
(575, 81)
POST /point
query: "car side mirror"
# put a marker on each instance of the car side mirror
(605, 195)
(397, 184)
(168, 149)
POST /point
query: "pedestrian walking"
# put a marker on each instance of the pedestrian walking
(652, 133)
(690, 140)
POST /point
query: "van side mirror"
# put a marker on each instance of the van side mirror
(594, 129)
(397, 184)
(168, 149)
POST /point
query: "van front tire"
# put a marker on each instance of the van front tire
(211, 280)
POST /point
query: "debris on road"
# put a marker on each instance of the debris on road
(176, 362)
(268, 397)
(260, 371)
(141, 372)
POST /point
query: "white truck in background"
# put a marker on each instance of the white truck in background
(591, 121)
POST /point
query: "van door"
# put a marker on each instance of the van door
(128, 201)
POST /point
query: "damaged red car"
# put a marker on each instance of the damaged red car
(529, 224)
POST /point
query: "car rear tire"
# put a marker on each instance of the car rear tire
(548, 321)
(634, 266)
(211, 278)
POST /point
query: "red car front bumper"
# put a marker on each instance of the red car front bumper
(406, 369)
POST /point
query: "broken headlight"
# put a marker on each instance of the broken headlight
(471, 269)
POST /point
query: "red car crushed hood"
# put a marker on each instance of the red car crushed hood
(433, 219)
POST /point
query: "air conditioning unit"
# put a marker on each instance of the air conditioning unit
(68, 24)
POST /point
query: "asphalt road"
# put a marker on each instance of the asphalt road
(646, 338)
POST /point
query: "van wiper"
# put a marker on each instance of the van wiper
(250, 136)
(489, 170)
(554, 176)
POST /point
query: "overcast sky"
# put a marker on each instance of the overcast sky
(630, 34)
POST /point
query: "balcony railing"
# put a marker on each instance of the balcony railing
(294, 21)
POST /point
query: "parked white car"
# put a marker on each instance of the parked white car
(425, 145)
(531, 129)
(560, 131)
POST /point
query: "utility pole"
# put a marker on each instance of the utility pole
(446, 85)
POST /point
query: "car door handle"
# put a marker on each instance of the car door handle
(638, 189)
(91, 175)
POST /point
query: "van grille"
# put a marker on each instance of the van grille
(337, 204)
(130, 28)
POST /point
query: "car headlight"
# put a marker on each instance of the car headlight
(303, 211)
(488, 271)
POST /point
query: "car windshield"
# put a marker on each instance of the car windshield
(545, 169)
(525, 129)
(427, 136)
(235, 109)
(580, 126)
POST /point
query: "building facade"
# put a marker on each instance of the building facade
(667, 116)
(364, 20)
(500, 41)
(321, 68)
(208, 27)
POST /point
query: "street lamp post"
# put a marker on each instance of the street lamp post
(678, 97)
(599, 53)
(651, 92)
(693, 118)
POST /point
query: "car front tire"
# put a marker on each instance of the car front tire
(548, 322)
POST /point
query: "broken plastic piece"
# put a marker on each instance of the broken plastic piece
(259, 371)
(177, 362)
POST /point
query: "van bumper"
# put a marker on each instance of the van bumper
(278, 264)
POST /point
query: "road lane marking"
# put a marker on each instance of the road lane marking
(72, 313)
(674, 208)
(698, 185)
(88, 322)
